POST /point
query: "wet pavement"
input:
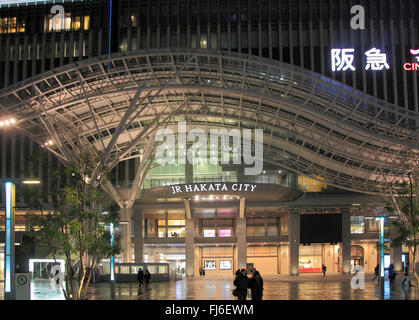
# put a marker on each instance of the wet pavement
(303, 287)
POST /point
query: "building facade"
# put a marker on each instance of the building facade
(222, 230)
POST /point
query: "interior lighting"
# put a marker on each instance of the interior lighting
(31, 182)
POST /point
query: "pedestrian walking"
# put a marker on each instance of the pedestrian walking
(56, 276)
(376, 272)
(391, 274)
(324, 268)
(147, 278)
(242, 283)
(256, 286)
(406, 276)
(140, 278)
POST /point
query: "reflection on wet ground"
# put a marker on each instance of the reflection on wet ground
(304, 287)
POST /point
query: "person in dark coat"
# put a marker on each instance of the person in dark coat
(376, 272)
(324, 268)
(406, 276)
(147, 277)
(242, 282)
(140, 277)
(256, 286)
(391, 274)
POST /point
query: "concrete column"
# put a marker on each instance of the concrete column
(346, 241)
(126, 234)
(395, 253)
(188, 172)
(138, 236)
(189, 247)
(294, 242)
(241, 243)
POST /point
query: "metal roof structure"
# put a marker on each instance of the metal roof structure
(112, 105)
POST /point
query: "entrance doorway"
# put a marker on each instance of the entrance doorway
(41, 268)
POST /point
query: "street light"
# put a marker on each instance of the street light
(381, 221)
(112, 264)
(112, 258)
(9, 258)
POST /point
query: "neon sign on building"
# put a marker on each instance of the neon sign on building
(343, 59)
(412, 66)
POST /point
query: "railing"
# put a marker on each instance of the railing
(127, 272)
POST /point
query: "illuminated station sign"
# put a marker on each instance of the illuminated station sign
(205, 187)
(6, 3)
(343, 59)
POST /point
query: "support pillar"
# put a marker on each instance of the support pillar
(346, 241)
(294, 242)
(138, 236)
(241, 243)
(126, 234)
(395, 252)
(189, 247)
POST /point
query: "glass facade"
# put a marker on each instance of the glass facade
(357, 224)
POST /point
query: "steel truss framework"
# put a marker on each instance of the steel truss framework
(312, 125)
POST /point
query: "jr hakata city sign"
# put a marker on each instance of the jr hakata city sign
(205, 187)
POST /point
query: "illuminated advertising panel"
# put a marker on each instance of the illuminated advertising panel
(224, 233)
(210, 265)
(225, 264)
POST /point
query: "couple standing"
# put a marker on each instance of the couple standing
(243, 283)
(141, 276)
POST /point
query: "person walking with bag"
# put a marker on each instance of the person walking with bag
(324, 268)
(147, 278)
(256, 286)
(242, 283)
(140, 278)
(376, 272)
(406, 276)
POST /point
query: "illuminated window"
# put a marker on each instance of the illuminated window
(176, 222)
(162, 232)
(176, 232)
(76, 23)
(124, 269)
(9, 25)
(21, 26)
(12, 25)
(224, 232)
(310, 262)
(203, 43)
(163, 269)
(209, 233)
(310, 185)
(86, 23)
(152, 269)
(134, 20)
(357, 224)
(67, 24)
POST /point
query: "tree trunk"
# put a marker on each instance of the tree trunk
(81, 281)
(70, 294)
(89, 277)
